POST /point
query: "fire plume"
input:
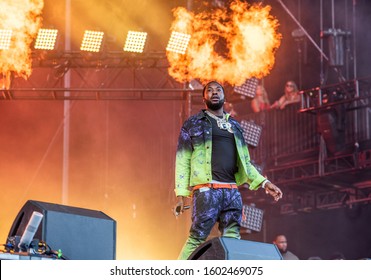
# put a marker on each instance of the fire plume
(23, 17)
(248, 32)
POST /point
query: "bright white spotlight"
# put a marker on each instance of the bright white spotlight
(92, 41)
(5, 38)
(178, 42)
(46, 39)
(135, 41)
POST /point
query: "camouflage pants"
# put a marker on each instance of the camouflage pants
(210, 206)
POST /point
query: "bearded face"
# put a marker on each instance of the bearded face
(214, 106)
(281, 243)
(214, 96)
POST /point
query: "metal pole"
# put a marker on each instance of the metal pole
(303, 29)
(300, 51)
(354, 42)
(66, 110)
(322, 75)
(333, 14)
(347, 44)
(189, 94)
(356, 123)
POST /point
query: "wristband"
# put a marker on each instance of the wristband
(263, 184)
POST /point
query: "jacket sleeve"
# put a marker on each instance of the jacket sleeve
(183, 164)
(251, 175)
(254, 177)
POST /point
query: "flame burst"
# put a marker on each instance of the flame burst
(23, 17)
(251, 40)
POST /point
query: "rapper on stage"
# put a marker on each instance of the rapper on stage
(212, 160)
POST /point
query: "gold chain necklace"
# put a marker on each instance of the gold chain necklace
(221, 122)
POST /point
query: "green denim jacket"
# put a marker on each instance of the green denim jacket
(193, 156)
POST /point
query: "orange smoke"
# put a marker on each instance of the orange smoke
(251, 40)
(23, 17)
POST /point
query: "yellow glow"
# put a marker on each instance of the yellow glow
(104, 175)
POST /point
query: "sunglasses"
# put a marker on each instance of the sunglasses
(289, 85)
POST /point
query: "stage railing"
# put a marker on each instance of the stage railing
(292, 135)
(285, 132)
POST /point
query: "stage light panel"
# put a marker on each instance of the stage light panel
(178, 42)
(252, 218)
(46, 39)
(5, 38)
(135, 41)
(251, 132)
(248, 88)
(92, 41)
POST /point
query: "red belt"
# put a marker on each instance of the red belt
(215, 186)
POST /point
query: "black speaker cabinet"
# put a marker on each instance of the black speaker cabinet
(81, 234)
(222, 248)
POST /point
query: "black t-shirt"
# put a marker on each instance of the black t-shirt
(224, 154)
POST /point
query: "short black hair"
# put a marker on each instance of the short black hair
(205, 87)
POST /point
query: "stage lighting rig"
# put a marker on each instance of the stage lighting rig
(5, 38)
(135, 41)
(92, 41)
(46, 39)
(178, 42)
(251, 133)
(248, 88)
(252, 217)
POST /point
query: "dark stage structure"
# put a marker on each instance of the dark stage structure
(318, 151)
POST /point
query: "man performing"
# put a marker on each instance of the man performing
(212, 159)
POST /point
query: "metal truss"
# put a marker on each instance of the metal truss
(301, 199)
(312, 201)
(101, 76)
(294, 173)
(313, 185)
(94, 94)
(315, 168)
(106, 59)
(355, 93)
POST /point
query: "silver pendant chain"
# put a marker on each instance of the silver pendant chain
(221, 122)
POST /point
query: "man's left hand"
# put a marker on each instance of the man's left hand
(273, 190)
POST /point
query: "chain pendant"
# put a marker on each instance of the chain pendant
(222, 123)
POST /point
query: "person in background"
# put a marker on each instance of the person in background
(281, 242)
(260, 101)
(212, 160)
(290, 96)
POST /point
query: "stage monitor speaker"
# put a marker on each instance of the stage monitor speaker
(222, 248)
(81, 234)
